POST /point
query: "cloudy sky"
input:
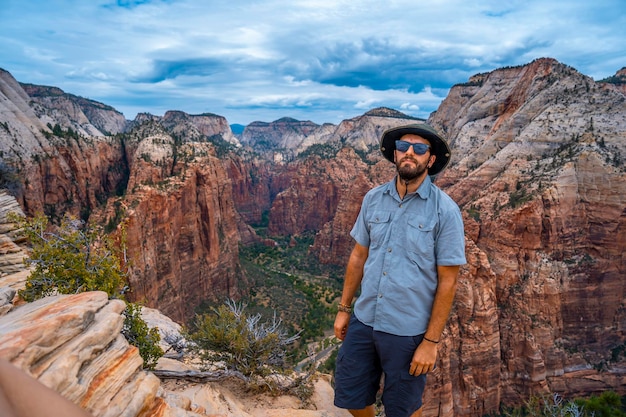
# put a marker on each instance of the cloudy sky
(318, 60)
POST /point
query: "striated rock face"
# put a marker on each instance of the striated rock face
(468, 380)
(55, 174)
(252, 191)
(183, 243)
(539, 175)
(313, 193)
(198, 127)
(165, 165)
(87, 117)
(11, 253)
(73, 345)
(179, 223)
(285, 133)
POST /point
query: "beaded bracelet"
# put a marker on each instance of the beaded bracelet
(345, 308)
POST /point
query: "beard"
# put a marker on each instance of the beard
(408, 172)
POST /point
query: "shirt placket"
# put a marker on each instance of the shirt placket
(382, 303)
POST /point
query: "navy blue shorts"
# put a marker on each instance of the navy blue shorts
(364, 356)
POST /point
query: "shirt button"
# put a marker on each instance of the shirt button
(400, 205)
(384, 273)
(389, 250)
(380, 296)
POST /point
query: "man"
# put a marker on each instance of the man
(409, 247)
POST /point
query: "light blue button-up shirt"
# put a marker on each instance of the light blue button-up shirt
(407, 239)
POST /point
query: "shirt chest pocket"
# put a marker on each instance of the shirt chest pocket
(420, 238)
(378, 227)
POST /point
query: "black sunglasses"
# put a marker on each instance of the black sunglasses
(418, 148)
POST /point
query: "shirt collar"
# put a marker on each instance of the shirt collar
(424, 188)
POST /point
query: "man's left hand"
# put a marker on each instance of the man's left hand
(424, 358)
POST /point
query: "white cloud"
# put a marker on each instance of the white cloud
(310, 59)
(409, 107)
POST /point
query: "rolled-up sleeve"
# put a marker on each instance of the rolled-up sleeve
(360, 230)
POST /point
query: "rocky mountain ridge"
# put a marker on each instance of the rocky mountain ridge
(537, 170)
(539, 173)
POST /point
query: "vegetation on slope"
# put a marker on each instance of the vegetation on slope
(76, 257)
(288, 280)
(607, 404)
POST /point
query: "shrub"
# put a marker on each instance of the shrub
(77, 257)
(138, 334)
(242, 342)
(74, 258)
(608, 404)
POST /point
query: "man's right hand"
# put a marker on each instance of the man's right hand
(341, 324)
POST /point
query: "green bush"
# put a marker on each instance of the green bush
(138, 334)
(242, 342)
(71, 258)
(77, 257)
(608, 404)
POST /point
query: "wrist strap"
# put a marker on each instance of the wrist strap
(431, 341)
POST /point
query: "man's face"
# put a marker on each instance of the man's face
(409, 164)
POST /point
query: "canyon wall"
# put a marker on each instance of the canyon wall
(537, 169)
(159, 186)
(540, 175)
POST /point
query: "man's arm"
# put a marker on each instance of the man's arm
(352, 281)
(426, 353)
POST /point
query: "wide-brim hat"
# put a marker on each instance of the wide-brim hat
(439, 147)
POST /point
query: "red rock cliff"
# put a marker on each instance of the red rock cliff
(537, 171)
(181, 225)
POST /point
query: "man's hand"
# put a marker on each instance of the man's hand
(423, 359)
(426, 353)
(341, 324)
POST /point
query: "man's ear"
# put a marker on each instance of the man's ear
(431, 160)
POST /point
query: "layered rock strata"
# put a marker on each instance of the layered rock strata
(72, 344)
